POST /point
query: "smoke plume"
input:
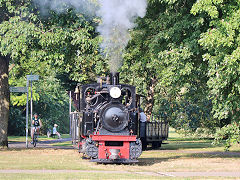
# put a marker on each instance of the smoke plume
(118, 18)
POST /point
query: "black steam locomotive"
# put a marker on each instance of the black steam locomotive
(107, 127)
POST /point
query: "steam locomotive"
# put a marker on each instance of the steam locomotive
(107, 127)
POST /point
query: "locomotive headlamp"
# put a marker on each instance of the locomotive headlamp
(115, 92)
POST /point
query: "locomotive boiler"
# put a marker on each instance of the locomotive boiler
(108, 125)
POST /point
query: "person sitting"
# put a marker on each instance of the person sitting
(56, 132)
(36, 123)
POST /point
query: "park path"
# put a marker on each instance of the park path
(41, 144)
(157, 174)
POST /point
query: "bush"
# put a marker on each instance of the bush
(199, 133)
(17, 122)
(229, 135)
(204, 132)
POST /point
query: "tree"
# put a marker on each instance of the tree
(222, 44)
(6, 11)
(166, 65)
(4, 100)
(66, 42)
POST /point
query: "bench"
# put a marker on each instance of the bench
(53, 135)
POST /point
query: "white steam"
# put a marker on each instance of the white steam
(118, 17)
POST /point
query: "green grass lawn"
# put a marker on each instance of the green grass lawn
(179, 154)
(76, 176)
(180, 142)
(177, 141)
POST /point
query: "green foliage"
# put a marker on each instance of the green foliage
(50, 100)
(229, 135)
(53, 104)
(61, 45)
(183, 56)
(67, 41)
(221, 42)
(17, 122)
(165, 46)
(205, 132)
(18, 79)
(195, 60)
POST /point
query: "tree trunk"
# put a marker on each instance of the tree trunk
(150, 98)
(4, 101)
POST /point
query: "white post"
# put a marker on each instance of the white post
(31, 102)
(70, 110)
(27, 118)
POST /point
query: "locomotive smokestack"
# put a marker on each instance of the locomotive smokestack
(114, 79)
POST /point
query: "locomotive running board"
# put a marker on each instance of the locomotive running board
(113, 138)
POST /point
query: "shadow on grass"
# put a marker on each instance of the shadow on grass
(47, 144)
(191, 139)
(216, 154)
(37, 148)
(67, 144)
(43, 141)
(55, 141)
(152, 161)
(188, 145)
(184, 145)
